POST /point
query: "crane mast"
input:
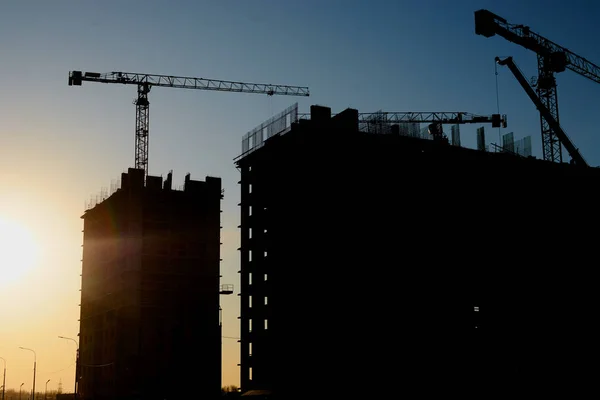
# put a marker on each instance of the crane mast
(145, 82)
(552, 58)
(576, 157)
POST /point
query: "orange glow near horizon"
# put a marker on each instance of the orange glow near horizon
(18, 252)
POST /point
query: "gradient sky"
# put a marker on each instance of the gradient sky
(59, 145)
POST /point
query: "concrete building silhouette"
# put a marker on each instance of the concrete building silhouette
(384, 263)
(150, 291)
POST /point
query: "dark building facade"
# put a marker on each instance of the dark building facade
(384, 264)
(149, 326)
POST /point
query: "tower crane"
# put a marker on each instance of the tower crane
(443, 117)
(576, 157)
(145, 82)
(551, 58)
(435, 119)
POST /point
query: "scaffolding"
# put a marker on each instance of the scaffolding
(277, 124)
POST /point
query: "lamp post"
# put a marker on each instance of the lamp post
(3, 379)
(20, 387)
(46, 390)
(76, 364)
(34, 367)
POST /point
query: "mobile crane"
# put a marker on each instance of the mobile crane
(552, 59)
(145, 82)
(576, 157)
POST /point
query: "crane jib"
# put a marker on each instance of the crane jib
(146, 81)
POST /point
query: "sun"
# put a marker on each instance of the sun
(18, 252)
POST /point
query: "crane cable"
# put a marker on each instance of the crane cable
(497, 98)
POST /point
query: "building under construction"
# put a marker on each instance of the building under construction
(149, 326)
(376, 262)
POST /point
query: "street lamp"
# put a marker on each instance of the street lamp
(76, 364)
(20, 390)
(46, 391)
(3, 379)
(34, 367)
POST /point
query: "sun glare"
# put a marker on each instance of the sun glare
(18, 252)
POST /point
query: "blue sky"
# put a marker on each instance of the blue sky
(59, 145)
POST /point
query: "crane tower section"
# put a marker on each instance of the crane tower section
(552, 58)
(576, 157)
